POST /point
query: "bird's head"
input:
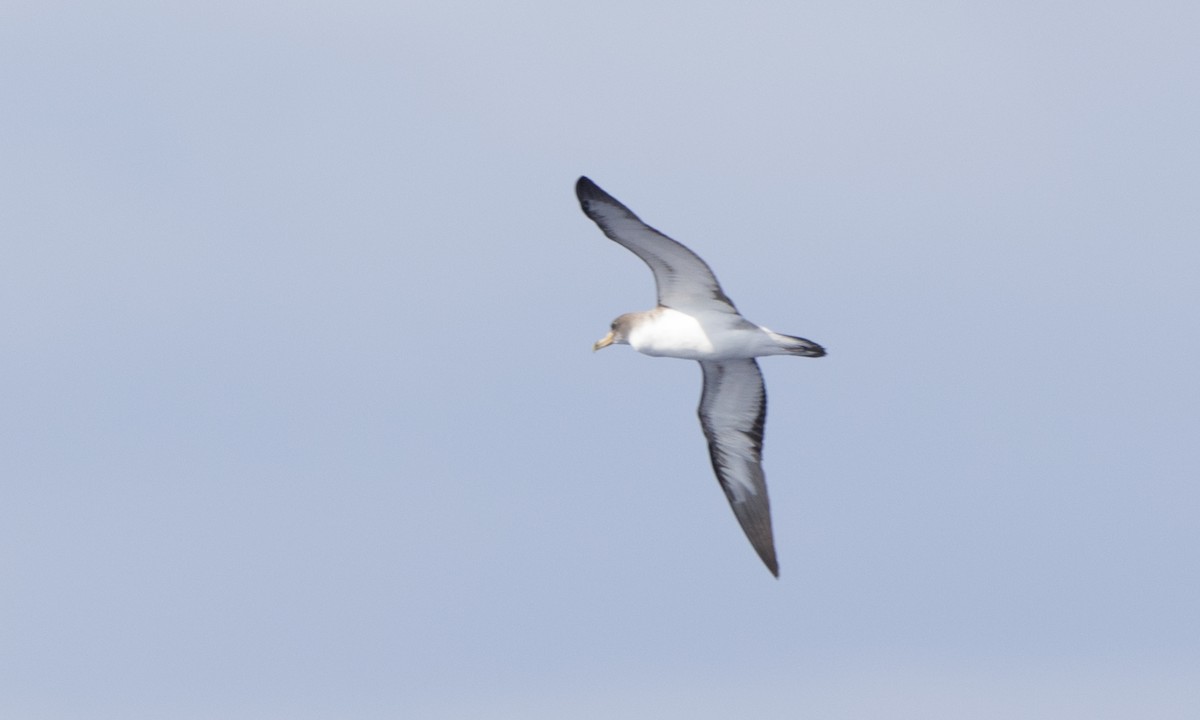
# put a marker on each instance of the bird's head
(618, 333)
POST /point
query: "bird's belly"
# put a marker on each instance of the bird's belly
(691, 350)
(678, 335)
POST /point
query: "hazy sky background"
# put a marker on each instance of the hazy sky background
(300, 417)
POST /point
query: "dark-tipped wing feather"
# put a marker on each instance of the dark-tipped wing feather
(684, 281)
(733, 412)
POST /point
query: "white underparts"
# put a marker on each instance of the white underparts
(666, 332)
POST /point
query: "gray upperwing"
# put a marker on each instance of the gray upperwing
(733, 412)
(684, 280)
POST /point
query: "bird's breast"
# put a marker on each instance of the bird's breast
(670, 333)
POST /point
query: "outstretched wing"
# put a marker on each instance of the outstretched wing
(685, 282)
(733, 412)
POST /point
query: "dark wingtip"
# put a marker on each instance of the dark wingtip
(767, 555)
(758, 532)
(589, 194)
(585, 189)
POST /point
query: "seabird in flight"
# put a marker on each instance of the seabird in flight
(695, 320)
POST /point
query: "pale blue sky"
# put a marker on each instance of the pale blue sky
(300, 417)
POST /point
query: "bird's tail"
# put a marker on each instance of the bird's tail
(799, 346)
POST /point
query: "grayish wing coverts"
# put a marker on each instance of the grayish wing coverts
(684, 281)
(733, 412)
